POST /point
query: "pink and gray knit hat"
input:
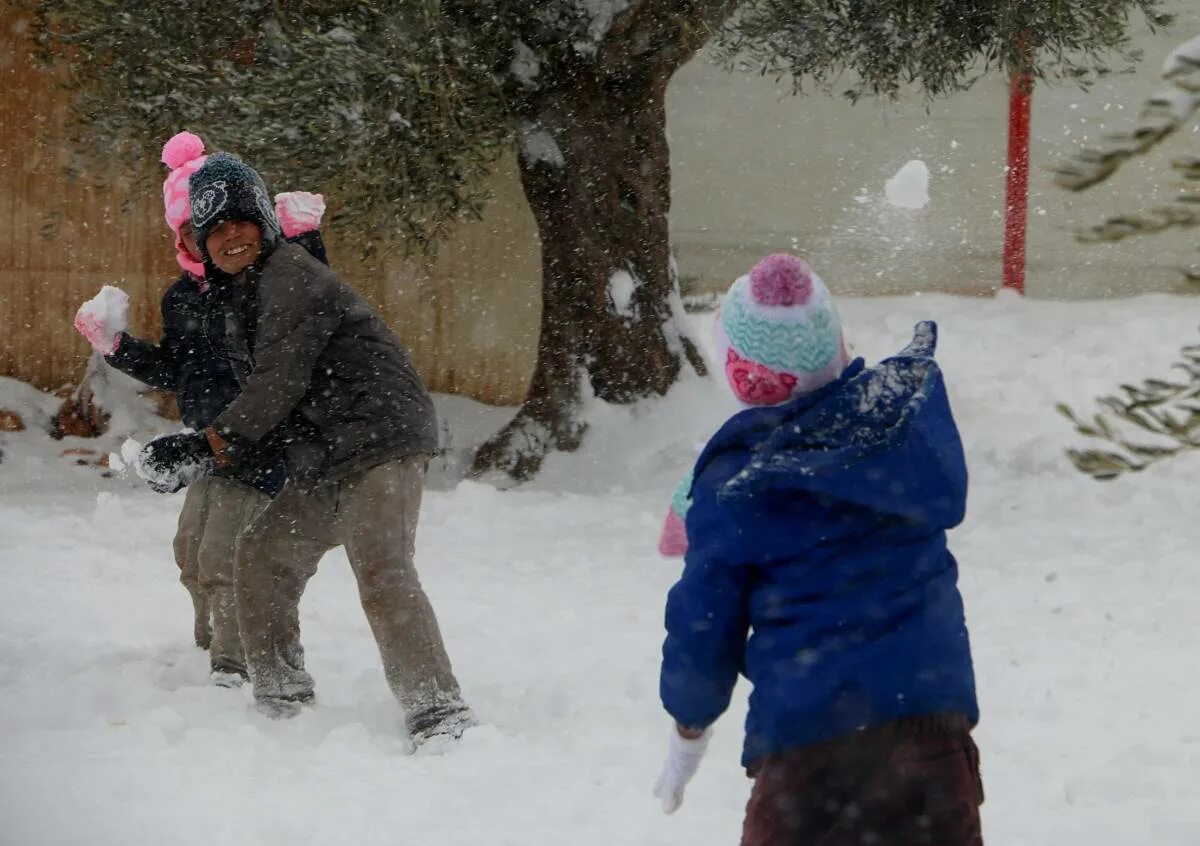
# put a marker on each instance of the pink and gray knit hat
(183, 154)
(778, 333)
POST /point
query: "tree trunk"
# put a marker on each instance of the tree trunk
(596, 172)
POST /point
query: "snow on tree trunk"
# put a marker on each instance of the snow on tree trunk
(595, 168)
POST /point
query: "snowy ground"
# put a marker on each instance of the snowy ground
(1081, 599)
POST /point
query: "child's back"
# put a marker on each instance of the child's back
(820, 525)
(817, 566)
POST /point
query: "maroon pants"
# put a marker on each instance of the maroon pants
(909, 782)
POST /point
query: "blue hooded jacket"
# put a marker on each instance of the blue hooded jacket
(817, 563)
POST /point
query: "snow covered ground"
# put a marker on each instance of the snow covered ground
(1081, 599)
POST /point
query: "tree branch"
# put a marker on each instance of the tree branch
(1162, 116)
(1147, 223)
(665, 32)
(1168, 410)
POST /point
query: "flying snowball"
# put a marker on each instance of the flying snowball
(909, 188)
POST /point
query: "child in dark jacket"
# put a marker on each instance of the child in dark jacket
(315, 360)
(189, 361)
(817, 566)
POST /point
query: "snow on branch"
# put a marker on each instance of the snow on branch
(599, 15)
(525, 65)
(1165, 410)
(1162, 116)
(1183, 214)
(1183, 62)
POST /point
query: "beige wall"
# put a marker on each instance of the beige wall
(470, 316)
(756, 170)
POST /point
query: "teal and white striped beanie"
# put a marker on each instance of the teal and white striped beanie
(778, 333)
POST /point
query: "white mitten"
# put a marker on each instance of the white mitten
(103, 318)
(683, 759)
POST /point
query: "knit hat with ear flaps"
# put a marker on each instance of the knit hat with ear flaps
(226, 188)
(778, 333)
(184, 155)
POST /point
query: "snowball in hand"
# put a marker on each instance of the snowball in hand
(103, 318)
(909, 188)
(299, 212)
(170, 462)
(128, 457)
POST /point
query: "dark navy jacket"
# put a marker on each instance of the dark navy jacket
(194, 323)
(817, 563)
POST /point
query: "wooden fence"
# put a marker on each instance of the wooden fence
(470, 318)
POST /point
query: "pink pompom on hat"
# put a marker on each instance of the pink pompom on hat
(184, 155)
(778, 333)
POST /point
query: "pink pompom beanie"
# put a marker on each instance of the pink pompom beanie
(778, 333)
(183, 154)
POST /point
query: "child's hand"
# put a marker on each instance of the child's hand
(684, 755)
(673, 541)
(103, 318)
(299, 212)
(171, 462)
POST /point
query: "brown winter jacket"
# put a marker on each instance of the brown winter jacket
(322, 373)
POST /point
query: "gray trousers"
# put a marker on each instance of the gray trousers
(373, 514)
(215, 512)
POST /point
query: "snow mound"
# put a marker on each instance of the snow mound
(36, 408)
(1080, 598)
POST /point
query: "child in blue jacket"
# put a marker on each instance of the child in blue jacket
(817, 566)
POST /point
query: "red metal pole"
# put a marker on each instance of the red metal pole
(1016, 184)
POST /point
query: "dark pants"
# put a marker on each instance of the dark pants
(912, 781)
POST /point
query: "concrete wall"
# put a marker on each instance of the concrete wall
(757, 170)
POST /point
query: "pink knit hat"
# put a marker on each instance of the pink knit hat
(778, 333)
(183, 154)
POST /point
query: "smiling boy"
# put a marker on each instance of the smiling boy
(322, 374)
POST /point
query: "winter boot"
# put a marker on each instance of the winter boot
(228, 675)
(283, 707)
(285, 697)
(447, 720)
